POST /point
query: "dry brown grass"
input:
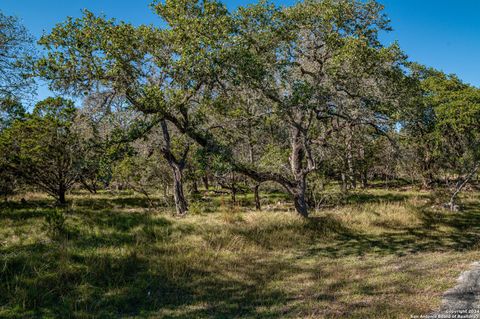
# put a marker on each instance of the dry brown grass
(385, 254)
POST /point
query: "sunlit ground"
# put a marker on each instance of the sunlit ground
(381, 254)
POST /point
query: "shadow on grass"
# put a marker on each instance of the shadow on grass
(136, 266)
(40, 281)
(363, 198)
(391, 184)
(21, 214)
(291, 234)
(445, 231)
(338, 198)
(14, 206)
(118, 202)
(115, 264)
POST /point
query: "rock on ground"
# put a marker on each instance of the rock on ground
(463, 300)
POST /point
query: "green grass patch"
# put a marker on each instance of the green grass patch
(377, 254)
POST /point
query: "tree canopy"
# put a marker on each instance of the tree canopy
(266, 93)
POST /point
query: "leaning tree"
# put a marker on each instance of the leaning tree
(313, 70)
(457, 128)
(309, 69)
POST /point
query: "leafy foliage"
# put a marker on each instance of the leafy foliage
(43, 149)
(16, 58)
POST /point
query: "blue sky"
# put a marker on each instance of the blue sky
(444, 34)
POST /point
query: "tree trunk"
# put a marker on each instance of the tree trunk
(92, 189)
(344, 182)
(301, 204)
(427, 175)
(95, 188)
(165, 193)
(214, 147)
(256, 193)
(195, 187)
(299, 194)
(177, 166)
(257, 197)
(365, 178)
(61, 196)
(205, 182)
(234, 189)
(452, 203)
(427, 180)
(300, 174)
(181, 205)
(351, 171)
(349, 159)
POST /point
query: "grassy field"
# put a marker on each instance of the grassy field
(381, 254)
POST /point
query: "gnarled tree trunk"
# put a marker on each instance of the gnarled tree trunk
(452, 204)
(177, 166)
(297, 156)
(181, 205)
(300, 172)
(300, 202)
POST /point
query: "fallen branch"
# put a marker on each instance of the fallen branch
(460, 185)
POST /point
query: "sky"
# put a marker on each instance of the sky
(444, 34)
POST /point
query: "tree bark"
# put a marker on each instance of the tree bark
(195, 187)
(427, 175)
(211, 145)
(257, 197)
(344, 182)
(365, 178)
(299, 172)
(181, 205)
(205, 182)
(177, 166)
(452, 203)
(92, 189)
(234, 189)
(300, 203)
(61, 195)
(349, 160)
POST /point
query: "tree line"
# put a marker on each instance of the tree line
(296, 96)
